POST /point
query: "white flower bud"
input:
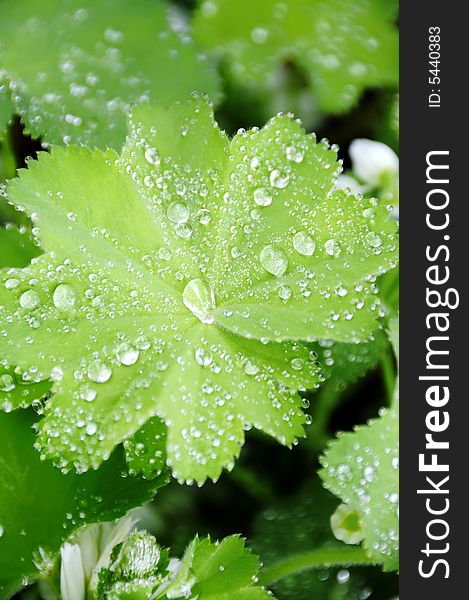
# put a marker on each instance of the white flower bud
(72, 576)
(346, 526)
(370, 160)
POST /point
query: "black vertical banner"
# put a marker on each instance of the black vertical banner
(434, 319)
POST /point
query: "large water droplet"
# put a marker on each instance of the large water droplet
(262, 197)
(152, 156)
(373, 239)
(183, 230)
(203, 357)
(332, 248)
(87, 393)
(284, 291)
(295, 154)
(274, 260)
(11, 284)
(259, 35)
(199, 298)
(99, 371)
(251, 368)
(7, 383)
(178, 212)
(204, 216)
(297, 364)
(29, 299)
(91, 428)
(304, 243)
(127, 354)
(65, 297)
(278, 179)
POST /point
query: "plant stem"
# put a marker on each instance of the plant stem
(314, 559)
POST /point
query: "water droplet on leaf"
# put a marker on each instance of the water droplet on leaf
(304, 243)
(199, 298)
(64, 297)
(99, 372)
(262, 197)
(29, 299)
(274, 260)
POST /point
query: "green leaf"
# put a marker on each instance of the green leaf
(39, 506)
(345, 364)
(145, 452)
(362, 469)
(160, 292)
(223, 570)
(17, 249)
(16, 392)
(88, 62)
(293, 538)
(341, 47)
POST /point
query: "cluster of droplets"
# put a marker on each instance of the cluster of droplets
(184, 280)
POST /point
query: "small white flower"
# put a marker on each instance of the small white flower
(72, 576)
(91, 551)
(370, 160)
(339, 525)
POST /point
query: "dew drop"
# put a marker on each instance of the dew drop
(29, 299)
(304, 243)
(373, 239)
(204, 216)
(251, 368)
(87, 393)
(274, 260)
(91, 428)
(183, 230)
(343, 576)
(7, 383)
(297, 364)
(11, 284)
(199, 298)
(284, 291)
(99, 372)
(341, 291)
(178, 212)
(369, 474)
(278, 179)
(332, 248)
(127, 354)
(259, 35)
(203, 358)
(64, 297)
(295, 154)
(152, 156)
(262, 197)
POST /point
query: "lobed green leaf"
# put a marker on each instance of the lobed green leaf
(171, 288)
